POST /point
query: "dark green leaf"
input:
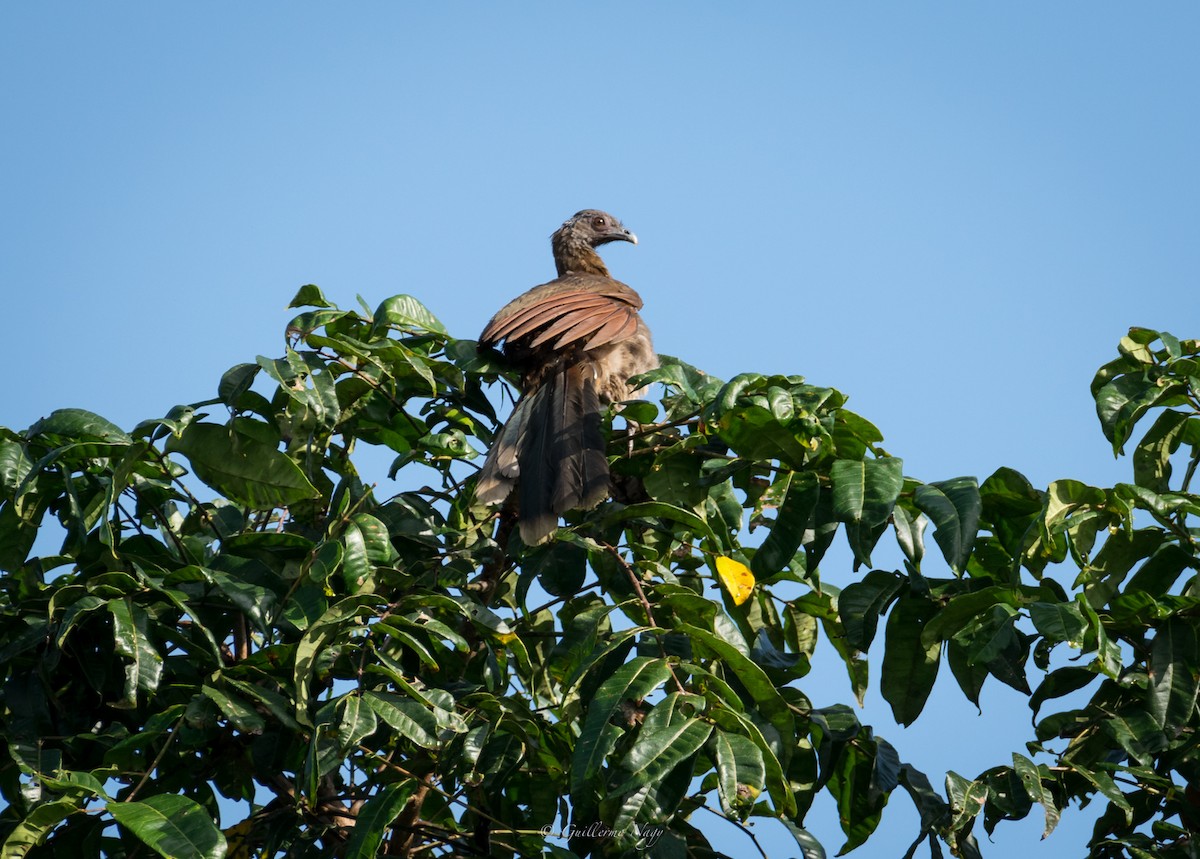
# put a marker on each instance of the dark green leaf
(1152, 456)
(787, 532)
(954, 507)
(1174, 654)
(741, 772)
(632, 681)
(79, 424)
(31, 831)
(909, 665)
(376, 817)
(862, 603)
(865, 491)
(1061, 681)
(242, 468)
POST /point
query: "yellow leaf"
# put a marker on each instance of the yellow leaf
(736, 577)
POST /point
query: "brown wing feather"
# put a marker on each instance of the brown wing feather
(594, 318)
(583, 329)
(619, 327)
(563, 292)
(552, 312)
(528, 318)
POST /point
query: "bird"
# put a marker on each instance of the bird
(574, 343)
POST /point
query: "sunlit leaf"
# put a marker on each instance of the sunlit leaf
(175, 827)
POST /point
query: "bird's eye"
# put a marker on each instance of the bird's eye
(599, 222)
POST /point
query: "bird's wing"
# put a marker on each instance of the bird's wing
(576, 309)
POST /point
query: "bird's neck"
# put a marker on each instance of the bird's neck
(573, 254)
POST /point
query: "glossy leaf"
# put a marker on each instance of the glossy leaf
(1174, 681)
(741, 772)
(31, 830)
(173, 826)
(406, 312)
(376, 816)
(909, 666)
(954, 507)
(241, 467)
(787, 532)
(633, 681)
(862, 603)
(864, 492)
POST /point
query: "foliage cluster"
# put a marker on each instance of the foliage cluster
(261, 639)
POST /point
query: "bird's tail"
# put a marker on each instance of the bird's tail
(552, 449)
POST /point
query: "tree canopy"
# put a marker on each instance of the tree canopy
(245, 647)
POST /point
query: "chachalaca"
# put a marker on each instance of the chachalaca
(575, 342)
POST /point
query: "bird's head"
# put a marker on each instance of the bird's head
(596, 228)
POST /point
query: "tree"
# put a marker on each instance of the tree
(260, 637)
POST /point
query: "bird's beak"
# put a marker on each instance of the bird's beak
(628, 236)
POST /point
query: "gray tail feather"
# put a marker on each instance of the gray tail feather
(552, 448)
(501, 467)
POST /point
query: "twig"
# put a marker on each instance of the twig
(637, 587)
(739, 825)
(157, 760)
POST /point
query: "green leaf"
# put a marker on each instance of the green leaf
(1061, 681)
(1173, 681)
(910, 534)
(909, 665)
(1031, 779)
(1066, 497)
(787, 532)
(1060, 622)
(864, 492)
(173, 826)
(764, 692)
(659, 749)
(862, 603)
(1152, 456)
(632, 681)
(242, 468)
(317, 636)
(851, 783)
(1121, 403)
(658, 509)
(409, 717)
(954, 507)
(130, 626)
(970, 677)
(245, 718)
(732, 720)
(961, 610)
(741, 772)
(810, 847)
(32, 830)
(236, 381)
(405, 312)
(967, 799)
(79, 424)
(1104, 784)
(15, 466)
(933, 809)
(675, 478)
(310, 295)
(1160, 571)
(376, 817)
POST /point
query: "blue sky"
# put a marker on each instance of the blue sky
(950, 212)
